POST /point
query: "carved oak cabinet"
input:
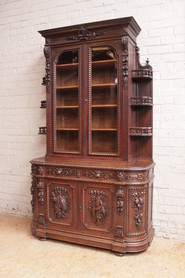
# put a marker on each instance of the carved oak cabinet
(94, 186)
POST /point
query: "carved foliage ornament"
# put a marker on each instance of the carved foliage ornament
(46, 78)
(98, 206)
(124, 42)
(98, 174)
(120, 200)
(137, 205)
(40, 186)
(60, 171)
(32, 189)
(61, 201)
(84, 34)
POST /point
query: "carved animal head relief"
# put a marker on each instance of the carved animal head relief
(61, 201)
(98, 206)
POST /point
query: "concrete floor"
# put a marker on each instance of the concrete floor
(23, 255)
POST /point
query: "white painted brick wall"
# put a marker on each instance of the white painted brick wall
(22, 64)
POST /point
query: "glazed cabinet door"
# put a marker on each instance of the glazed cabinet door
(104, 100)
(61, 204)
(67, 101)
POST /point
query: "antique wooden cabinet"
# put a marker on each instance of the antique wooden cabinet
(95, 184)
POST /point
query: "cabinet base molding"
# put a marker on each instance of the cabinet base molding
(118, 248)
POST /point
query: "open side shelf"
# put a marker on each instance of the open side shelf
(142, 74)
(141, 101)
(42, 130)
(141, 131)
(43, 104)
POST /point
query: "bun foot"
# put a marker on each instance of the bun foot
(119, 254)
(42, 238)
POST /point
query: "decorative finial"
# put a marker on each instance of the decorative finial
(147, 61)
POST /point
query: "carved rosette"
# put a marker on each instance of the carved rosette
(84, 34)
(98, 206)
(61, 201)
(137, 205)
(120, 200)
(124, 42)
(46, 79)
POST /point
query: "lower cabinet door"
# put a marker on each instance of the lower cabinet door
(97, 208)
(61, 205)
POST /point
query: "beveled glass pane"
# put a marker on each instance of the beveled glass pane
(104, 102)
(67, 103)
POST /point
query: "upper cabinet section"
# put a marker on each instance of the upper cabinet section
(99, 97)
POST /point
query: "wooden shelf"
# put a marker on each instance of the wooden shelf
(142, 74)
(67, 66)
(68, 128)
(104, 129)
(67, 107)
(105, 63)
(103, 105)
(107, 85)
(74, 87)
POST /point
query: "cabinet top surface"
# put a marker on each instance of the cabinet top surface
(133, 165)
(119, 22)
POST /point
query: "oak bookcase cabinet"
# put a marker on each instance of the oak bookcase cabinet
(95, 184)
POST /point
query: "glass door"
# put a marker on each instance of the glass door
(103, 102)
(67, 104)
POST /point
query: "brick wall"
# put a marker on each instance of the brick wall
(22, 64)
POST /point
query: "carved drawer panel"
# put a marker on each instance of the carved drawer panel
(60, 203)
(97, 205)
(136, 176)
(136, 210)
(60, 171)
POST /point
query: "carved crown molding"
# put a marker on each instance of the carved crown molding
(84, 34)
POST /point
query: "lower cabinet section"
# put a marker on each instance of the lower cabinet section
(114, 215)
